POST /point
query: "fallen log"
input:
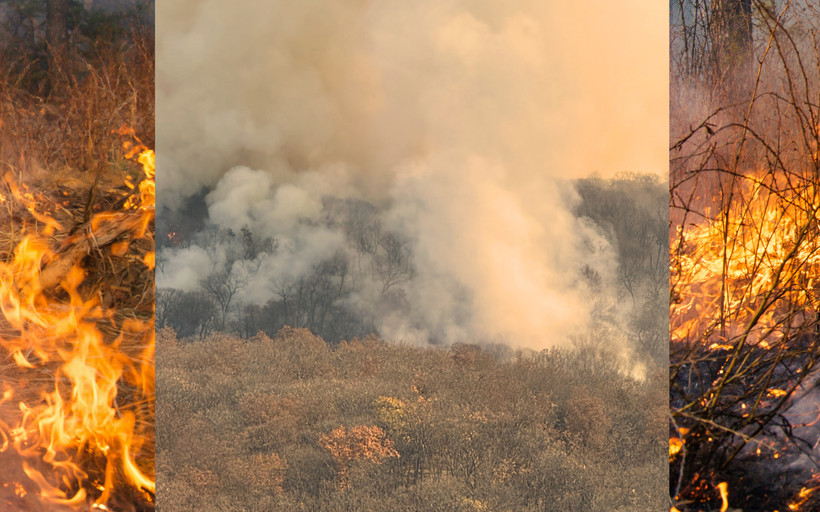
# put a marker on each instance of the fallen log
(102, 230)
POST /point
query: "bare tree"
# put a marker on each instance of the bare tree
(731, 33)
(222, 286)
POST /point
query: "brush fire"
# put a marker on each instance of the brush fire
(744, 344)
(744, 258)
(77, 341)
(750, 274)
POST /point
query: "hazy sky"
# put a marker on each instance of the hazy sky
(581, 86)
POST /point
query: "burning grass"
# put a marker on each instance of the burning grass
(76, 282)
(745, 295)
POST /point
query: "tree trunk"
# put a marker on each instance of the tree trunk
(731, 35)
(56, 24)
(56, 38)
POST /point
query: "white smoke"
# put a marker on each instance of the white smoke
(462, 120)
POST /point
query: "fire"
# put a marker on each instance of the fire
(776, 393)
(77, 401)
(750, 272)
(743, 311)
(723, 488)
(675, 446)
(802, 497)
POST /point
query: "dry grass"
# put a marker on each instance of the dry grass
(62, 161)
(744, 211)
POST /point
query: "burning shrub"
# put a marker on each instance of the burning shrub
(76, 265)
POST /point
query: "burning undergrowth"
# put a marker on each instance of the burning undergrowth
(76, 414)
(76, 266)
(745, 338)
(745, 295)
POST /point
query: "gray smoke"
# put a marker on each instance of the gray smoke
(460, 121)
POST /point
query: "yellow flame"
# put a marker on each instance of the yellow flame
(675, 446)
(55, 428)
(723, 487)
(802, 497)
(723, 266)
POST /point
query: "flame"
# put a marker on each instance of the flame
(723, 488)
(75, 399)
(675, 446)
(744, 285)
(802, 497)
(749, 272)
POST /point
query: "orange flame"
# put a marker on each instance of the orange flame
(723, 488)
(675, 446)
(729, 271)
(64, 406)
(802, 497)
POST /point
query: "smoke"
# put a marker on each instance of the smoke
(460, 121)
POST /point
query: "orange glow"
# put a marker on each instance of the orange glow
(729, 270)
(67, 407)
(723, 487)
(802, 498)
(675, 446)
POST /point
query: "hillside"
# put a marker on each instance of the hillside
(247, 425)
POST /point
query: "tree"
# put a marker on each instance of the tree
(222, 286)
(731, 34)
(360, 443)
(57, 25)
(188, 313)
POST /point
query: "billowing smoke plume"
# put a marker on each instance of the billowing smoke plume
(425, 146)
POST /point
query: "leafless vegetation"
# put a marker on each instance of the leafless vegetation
(370, 425)
(744, 291)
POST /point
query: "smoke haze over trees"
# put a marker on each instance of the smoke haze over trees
(366, 281)
(405, 169)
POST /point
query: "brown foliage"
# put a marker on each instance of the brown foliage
(423, 429)
(308, 354)
(587, 419)
(260, 471)
(362, 442)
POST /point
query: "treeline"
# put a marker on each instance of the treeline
(633, 212)
(372, 267)
(348, 294)
(292, 423)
